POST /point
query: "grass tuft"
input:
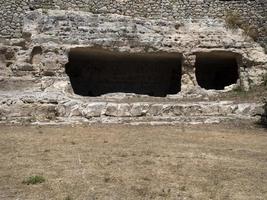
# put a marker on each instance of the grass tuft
(33, 180)
(238, 89)
(68, 198)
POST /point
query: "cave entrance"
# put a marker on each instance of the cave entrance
(95, 72)
(216, 70)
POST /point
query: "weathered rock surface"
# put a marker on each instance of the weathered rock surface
(58, 31)
(36, 88)
(58, 107)
(254, 12)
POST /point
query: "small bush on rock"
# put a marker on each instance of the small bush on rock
(250, 31)
(233, 20)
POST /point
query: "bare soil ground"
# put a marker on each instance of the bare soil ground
(134, 162)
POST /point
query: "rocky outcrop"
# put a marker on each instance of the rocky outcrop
(36, 88)
(59, 31)
(56, 107)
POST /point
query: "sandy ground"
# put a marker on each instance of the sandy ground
(134, 162)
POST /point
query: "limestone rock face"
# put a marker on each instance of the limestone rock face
(59, 31)
(93, 110)
(34, 80)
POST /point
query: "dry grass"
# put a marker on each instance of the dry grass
(134, 162)
(234, 20)
(255, 95)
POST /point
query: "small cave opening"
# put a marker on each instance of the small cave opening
(216, 70)
(94, 72)
(36, 53)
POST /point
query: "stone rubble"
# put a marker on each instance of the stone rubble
(54, 106)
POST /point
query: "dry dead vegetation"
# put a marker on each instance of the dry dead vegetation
(133, 162)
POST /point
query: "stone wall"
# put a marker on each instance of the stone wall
(11, 17)
(254, 12)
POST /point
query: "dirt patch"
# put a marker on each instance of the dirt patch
(134, 162)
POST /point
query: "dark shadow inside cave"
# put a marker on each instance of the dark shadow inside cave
(216, 70)
(94, 72)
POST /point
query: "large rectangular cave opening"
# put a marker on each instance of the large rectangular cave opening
(216, 70)
(95, 72)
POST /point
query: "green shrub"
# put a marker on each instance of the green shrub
(68, 198)
(32, 180)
